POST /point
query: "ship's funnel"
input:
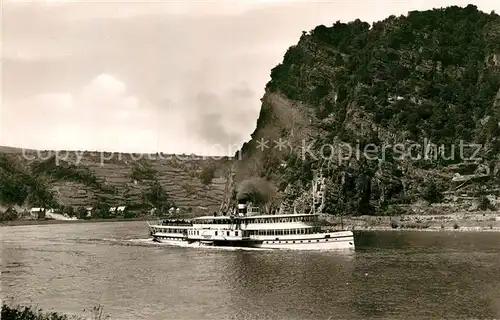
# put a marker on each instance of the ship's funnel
(242, 207)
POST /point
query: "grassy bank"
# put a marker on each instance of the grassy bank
(19, 312)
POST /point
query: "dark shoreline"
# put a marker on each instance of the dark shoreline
(44, 222)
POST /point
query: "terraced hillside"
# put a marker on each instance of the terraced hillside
(91, 179)
(390, 114)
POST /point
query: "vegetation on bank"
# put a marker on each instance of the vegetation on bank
(431, 75)
(29, 185)
(31, 313)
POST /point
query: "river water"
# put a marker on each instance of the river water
(392, 275)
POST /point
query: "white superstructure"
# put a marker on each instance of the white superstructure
(248, 228)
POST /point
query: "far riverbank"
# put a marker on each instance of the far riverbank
(50, 221)
(469, 222)
(460, 221)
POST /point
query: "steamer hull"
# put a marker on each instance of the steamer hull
(263, 231)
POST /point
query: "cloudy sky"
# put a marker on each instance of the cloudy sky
(148, 76)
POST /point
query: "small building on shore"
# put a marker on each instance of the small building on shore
(38, 213)
(117, 211)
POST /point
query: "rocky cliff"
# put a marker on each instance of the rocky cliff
(391, 114)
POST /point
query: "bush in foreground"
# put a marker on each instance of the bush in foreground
(30, 313)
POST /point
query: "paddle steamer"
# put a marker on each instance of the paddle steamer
(246, 226)
(251, 229)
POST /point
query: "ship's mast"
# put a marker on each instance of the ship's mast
(228, 191)
(318, 193)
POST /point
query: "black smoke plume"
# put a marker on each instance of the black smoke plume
(256, 190)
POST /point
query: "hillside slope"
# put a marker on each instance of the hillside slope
(35, 178)
(359, 104)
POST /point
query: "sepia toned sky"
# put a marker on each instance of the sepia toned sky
(148, 76)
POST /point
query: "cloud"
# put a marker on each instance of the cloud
(104, 115)
(171, 76)
(99, 116)
(223, 119)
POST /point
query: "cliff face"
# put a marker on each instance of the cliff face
(389, 114)
(95, 180)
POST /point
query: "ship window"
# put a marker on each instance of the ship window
(293, 241)
(228, 233)
(236, 233)
(215, 232)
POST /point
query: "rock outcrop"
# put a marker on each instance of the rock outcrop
(387, 113)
